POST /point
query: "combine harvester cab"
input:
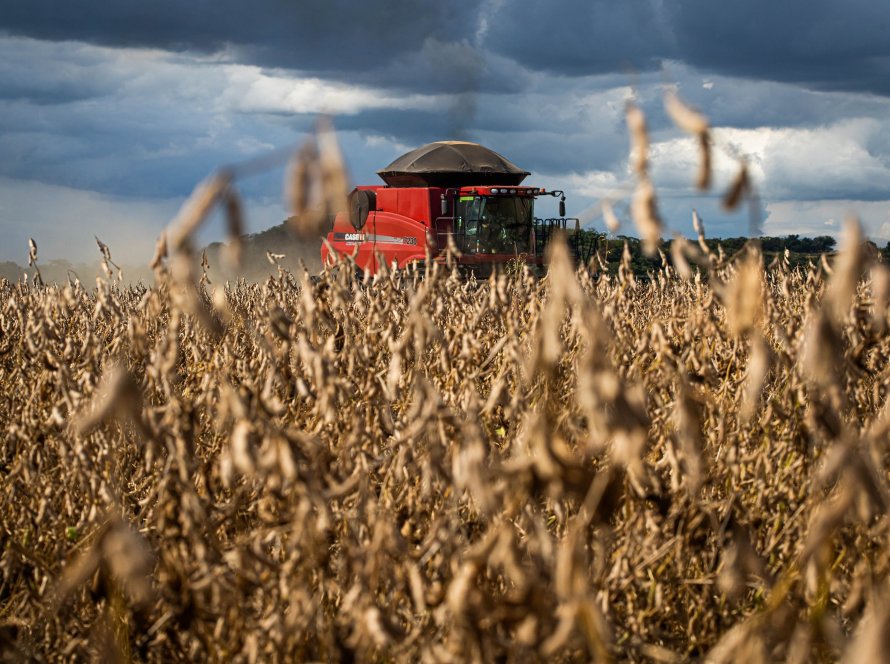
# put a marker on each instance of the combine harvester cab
(449, 191)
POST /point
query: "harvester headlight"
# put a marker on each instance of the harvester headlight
(512, 191)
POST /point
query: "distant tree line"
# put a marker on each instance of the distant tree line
(801, 250)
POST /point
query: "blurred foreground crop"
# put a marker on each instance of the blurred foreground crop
(579, 467)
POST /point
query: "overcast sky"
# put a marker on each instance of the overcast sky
(110, 112)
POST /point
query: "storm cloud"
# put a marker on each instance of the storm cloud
(821, 43)
(321, 36)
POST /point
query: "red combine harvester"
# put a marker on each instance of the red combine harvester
(448, 190)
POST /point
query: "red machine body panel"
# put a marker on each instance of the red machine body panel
(489, 225)
(396, 231)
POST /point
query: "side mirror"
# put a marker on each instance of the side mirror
(444, 206)
(562, 206)
(361, 202)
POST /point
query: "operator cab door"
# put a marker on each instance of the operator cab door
(495, 225)
(467, 222)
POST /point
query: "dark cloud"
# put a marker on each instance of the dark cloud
(580, 37)
(819, 43)
(758, 103)
(63, 92)
(337, 38)
(129, 148)
(826, 44)
(47, 74)
(447, 67)
(434, 46)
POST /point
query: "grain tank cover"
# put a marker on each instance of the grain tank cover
(451, 164)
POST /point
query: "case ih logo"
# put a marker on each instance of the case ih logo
(382, 239)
